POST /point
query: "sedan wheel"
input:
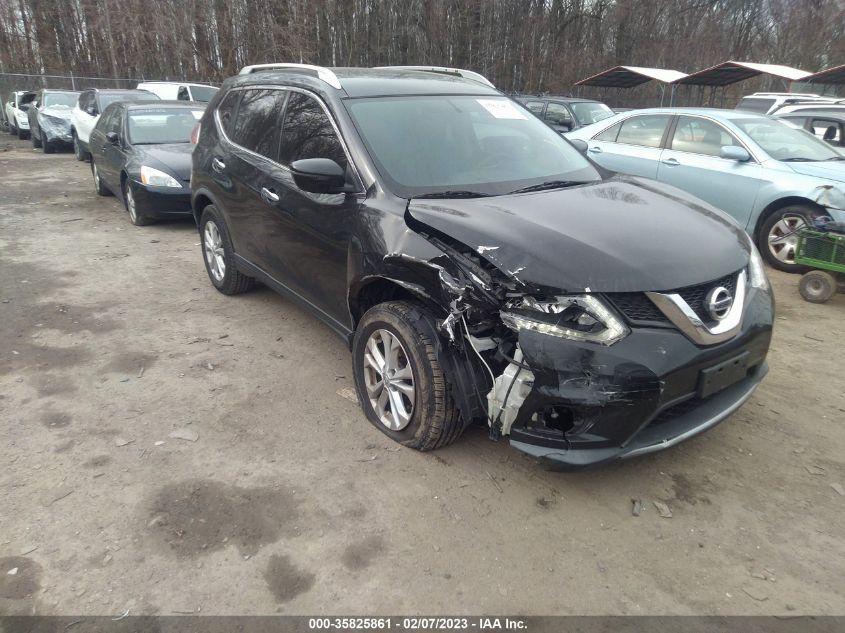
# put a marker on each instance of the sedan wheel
(783, 237)
(214, 255)
(98, 183)
(389, 380)
(135, 216)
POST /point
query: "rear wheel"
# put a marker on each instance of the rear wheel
(78, 152)
(219, 256)
(135, 216)
(398, 377)
(817, 286)
(99, 187)
(779, 236)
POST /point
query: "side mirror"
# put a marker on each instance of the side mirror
(112, 138)
(579, 144)
(91, 111)
(318, 175)
(734, 152)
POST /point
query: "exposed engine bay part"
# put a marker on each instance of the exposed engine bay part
(507, 395)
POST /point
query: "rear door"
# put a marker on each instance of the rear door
(631, 146)
(691, 162)
(113, 154)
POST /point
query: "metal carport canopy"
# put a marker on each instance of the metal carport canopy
(630, 76)
(730, 72)
(835, 75)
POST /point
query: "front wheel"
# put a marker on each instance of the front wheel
(47, 147)
(135, 216)
(36, 143)
(22, 134)
(398, 378)
(219, 256)
(817, 286)
(778, 237)
(78, 152)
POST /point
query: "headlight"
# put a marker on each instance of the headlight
(157, 178)
(575, 317)
(756, 272)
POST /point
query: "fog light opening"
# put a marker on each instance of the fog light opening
(556, 419)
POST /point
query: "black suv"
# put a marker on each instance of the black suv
(479, 266)
(565, 114)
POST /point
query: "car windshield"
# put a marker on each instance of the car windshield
(784, 142)
(465, 145)
(109, 98)
(203, 94)
(67, 99)
(590, 111)
(160, 125)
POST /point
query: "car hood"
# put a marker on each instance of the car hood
(173, 158)
(832, 170)
(620, 235)
(56, 112)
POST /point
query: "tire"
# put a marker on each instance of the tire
(23, 134)
(99, 187)
(217, 253)
(80, 154)
(433, 420)
(135, 217)
(782, 226)
(36, 143)
(48, 148)
(13, 130)
(817, 286)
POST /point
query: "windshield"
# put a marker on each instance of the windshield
(472, 145)
(158, 126)
(67, 99)
(202, 94)
(784, 142)
(590, 112)
(107, 99)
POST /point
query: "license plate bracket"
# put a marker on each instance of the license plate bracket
(713, 379)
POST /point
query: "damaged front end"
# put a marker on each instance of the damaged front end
(578, 378)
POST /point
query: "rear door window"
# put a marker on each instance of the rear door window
(827, 130)
(609, 135)
(308, 132)
(256, 124)
(700, 136)
(646, 130)
(535, 106)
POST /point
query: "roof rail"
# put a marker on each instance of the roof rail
(443, 70)
(319, 71)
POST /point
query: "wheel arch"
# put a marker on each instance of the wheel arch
(779, 204)
(373, 290)
(199, 201)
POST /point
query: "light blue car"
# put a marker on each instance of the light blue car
(772, 177)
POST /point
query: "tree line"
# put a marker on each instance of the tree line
(520, 45)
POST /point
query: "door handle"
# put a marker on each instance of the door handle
(269, 195)
(595, 149)
(217, 165)
(672, 162)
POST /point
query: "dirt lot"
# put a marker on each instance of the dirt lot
(283, 499)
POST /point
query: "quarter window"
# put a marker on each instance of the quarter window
(700, 136)
(308, 132)
(183, 95)
(646, 130)
(535, 106)
(226, 110)
(256, 124)
(609, 135)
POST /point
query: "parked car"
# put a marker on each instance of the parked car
(87, 111)
(49, 118)
(179, 91)
(804, 106)
(826, 124)
(479, 266)
(769, 102)
(564, 114)
(16, 115)
(141, 152)
(772, 178)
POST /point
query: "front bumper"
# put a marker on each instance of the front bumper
(162, 202)
(641, 395)
(22, 124)
(55, 131)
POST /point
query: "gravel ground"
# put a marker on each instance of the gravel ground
(166, 449)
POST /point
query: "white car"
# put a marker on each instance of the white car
(16, 116)
(179, 91)
(87, 111)
(769, 102)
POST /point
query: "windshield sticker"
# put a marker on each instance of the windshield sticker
(500, 108)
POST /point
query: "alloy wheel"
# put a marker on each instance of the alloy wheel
(213, 247)
(130, 204)
(783, 237)
(389, 380)
(96, 177)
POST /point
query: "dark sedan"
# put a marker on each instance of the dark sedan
(141, 152)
